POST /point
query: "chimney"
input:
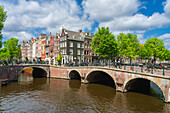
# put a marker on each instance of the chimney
(56, 34)
(63, 29)
(80, 30)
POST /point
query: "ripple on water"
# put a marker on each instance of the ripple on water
(59, 95)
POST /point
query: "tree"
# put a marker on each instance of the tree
(155, 48)
(12, 48)
(104, 43)
(2, 19)
(59, 58)
(3, 53)
(167, 55)
(142, 52)
(128, 44)
(164, 54)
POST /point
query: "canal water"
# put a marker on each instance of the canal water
(43, 95)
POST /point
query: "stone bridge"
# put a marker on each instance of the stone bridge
(121, 80)
(12, 72)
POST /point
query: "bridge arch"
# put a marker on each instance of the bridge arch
(37, 71)
(131, 82)
(74, 75)
(101, 77)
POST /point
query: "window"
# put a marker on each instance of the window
(71, 51)
(82, 46)
(71, 44)
(78, 51)
(78, 45)
(65, 44)
(81, 52)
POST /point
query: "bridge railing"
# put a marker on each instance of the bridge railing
(136, 67)
(157, 69)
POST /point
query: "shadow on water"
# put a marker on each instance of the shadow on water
(74, 84)
(100, 77)
(144, 86)
(25, 83)
(100, 91)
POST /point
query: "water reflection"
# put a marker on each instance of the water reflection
(74, 84)
(57, 95)
(25, 77)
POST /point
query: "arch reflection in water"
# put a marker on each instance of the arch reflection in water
(74, 84)
(100, 77)
(74, 75)
(61, 96)
(144, 86)
(25, 77)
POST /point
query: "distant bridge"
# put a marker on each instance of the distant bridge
(121, 80)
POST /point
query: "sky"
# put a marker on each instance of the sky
(145, 18)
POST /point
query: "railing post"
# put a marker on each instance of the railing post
(124, 67)
(163, 71)
(151, 69)
(141, 68)
(132, 67)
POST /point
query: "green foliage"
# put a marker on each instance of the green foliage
(2, 19)
(167, 55)
(104, 43)
(12, 49)
(164, 55)
(30, 68)
(142, 52)
(3, 53)
(59, 58)
(156, 48)
(128, 44)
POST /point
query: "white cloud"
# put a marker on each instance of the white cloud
(22, 35)
(106, 10)
(165, 36)
(166, 39)
(51, 15)
(137, 23)
(122, 16)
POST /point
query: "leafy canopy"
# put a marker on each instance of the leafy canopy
(104, 43)
(59, 58)
(142, 52)
(128, 44)
(156, 48)
(12, 48)
(2, 19)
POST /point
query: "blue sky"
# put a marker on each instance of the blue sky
(145, 18)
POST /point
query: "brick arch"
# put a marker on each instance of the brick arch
(33, 68)
(101, 70)
(75, 71)
(125, 83)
